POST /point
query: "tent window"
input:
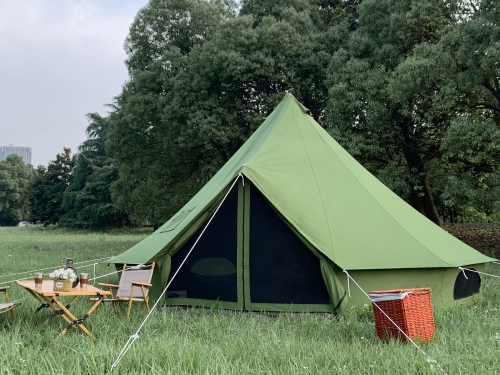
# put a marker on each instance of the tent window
(282, 269)
(213, 267)
(210, 271)
(466, 286)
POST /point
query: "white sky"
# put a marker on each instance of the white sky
(59, 60)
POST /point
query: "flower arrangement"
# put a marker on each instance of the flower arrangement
(63, 274)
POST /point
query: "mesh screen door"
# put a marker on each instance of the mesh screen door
(210, 272)
(282, 270)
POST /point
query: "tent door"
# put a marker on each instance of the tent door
(279, 272)
(212, 275)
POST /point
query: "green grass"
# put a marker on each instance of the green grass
(195, 341)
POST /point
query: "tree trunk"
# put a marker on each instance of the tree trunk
(422, 200)
(421, 193)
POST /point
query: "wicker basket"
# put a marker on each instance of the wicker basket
(63, 285)
(410, 309)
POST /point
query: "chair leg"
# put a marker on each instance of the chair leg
(11, 310)
(146, 299)
(130, 301)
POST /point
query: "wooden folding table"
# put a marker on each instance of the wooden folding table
(49, 298)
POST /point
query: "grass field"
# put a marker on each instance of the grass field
(193, 341)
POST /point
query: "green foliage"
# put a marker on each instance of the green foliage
(151, 180)
(15, 177)
(47, 188)
(391, 80)
(87, 199)
(183, 115)
(404, 78)
(474, 179)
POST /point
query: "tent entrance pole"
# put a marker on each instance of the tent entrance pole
(240, 246)
(246, 245)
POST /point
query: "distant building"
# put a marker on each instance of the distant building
(24, 152)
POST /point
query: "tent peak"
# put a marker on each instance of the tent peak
(294, 99)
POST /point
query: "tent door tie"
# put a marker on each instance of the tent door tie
(338, 304)
(348, 286)
(463, 271)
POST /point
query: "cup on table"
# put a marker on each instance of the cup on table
(38, 279)
(84, 280)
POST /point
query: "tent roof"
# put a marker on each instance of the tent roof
(326, 195)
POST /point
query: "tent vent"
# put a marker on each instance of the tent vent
(467, 283)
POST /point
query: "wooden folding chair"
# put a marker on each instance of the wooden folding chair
(6, 307)
(134, 285)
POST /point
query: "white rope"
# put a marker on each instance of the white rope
(29, 277)
(482, 273)
(88, 265)
(13, 281)
(429, 360)
(463, 271)
(348, 286)
(100, 277)
(49, 268)
(135, 336)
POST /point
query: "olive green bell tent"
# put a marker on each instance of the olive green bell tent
(293, 210)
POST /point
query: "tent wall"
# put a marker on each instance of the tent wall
(440, 280)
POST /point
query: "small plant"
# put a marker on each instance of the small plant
(63, 274)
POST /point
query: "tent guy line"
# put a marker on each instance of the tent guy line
(135, 336)
(428, 359)
(472, 270)
(46, 273)
(49, 268)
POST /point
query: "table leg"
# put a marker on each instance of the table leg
(79, 322)
(53, 303)
(59, 311)
(40, 299)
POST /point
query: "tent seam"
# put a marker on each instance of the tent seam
(317, 185)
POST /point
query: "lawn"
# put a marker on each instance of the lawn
(195, 341)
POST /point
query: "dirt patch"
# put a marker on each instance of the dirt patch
(482, 237)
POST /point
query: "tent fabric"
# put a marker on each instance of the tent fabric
(347, 217)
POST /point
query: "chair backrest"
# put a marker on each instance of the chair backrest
(141, 273)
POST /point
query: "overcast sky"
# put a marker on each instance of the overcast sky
(59, 60)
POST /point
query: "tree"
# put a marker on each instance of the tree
(187, 113)
(15, 177)
(160, 40)
(391, 80)
(47, 188)
(472, 142)
(390, 102)
(87, 199)
(474, 180)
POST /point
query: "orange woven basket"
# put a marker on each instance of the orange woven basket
(410, 309)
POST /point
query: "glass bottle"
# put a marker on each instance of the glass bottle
(69, 264)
